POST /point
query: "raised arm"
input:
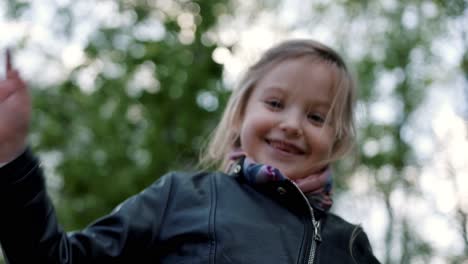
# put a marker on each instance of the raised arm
(15, 112)
(29, 230)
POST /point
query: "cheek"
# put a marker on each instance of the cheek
(324, 141)
(247, 134)
(252, 130)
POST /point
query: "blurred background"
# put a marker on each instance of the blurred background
(124, 91)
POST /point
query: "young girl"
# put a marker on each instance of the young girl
(285, 124)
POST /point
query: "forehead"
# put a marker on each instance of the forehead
(306, 78)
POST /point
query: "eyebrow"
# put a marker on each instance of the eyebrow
(283, 91)
(275, 88)
(322, 103)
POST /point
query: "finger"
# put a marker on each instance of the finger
(7, 88)
(8, 60)
(19, 82)
(12, 84)
(14, 75)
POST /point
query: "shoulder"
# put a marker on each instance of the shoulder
(348, 236)
(336, 229)
(336, 226)
(337, 222)
(186, 182)
(183, 193)
(192, 178)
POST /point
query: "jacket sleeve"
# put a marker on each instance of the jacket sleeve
(30, 233)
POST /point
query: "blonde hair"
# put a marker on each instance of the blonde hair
(225, 137)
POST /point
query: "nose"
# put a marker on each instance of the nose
(291, 124)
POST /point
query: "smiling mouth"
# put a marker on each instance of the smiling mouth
(285, 147)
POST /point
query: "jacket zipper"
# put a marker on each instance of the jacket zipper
(316, 237)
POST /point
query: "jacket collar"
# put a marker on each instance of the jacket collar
(271, 181)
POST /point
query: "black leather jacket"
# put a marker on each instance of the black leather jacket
(181, 218)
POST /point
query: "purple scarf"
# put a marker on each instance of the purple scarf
(316, 187)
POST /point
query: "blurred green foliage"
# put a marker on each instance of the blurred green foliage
(385, 151)
(148, 107)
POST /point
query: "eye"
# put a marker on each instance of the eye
(316, 118)
(274, 104)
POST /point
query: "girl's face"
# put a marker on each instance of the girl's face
(284, 122)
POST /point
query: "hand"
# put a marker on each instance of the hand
(15, 112)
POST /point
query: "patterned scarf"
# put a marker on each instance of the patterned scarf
(319, 194)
